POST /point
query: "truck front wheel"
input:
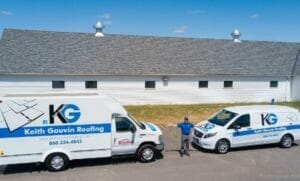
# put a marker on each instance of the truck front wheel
(146, 153)
(57, 162)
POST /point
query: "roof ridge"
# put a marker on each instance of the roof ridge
(150, 36)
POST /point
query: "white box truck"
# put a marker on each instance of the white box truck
(248, 125)
(56, 128)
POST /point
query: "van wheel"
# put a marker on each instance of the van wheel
(57, 162)
(146, 153)
(222, 146)
(286, 141)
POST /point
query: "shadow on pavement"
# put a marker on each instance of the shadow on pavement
(260, 147)
(257, 147)
(39, 167)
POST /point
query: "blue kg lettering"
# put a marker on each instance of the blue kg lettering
(269, 118)
(66, 113)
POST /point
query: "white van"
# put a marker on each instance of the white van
(56, 128)
(248, 125)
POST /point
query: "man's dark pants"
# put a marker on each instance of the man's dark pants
(185, 143)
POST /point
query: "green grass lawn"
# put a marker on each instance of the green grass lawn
(172, 114)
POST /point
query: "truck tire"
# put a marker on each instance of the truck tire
(286, 141)
(146, 153)
(57, 162)
(222, 146)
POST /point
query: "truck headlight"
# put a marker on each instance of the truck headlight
(208, 135)
(160, 138)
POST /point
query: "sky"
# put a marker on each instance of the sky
(264, 20)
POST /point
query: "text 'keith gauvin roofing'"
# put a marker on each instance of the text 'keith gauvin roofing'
(62, 53)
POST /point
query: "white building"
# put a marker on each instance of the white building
(150, 70)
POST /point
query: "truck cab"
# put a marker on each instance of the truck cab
(130, 136)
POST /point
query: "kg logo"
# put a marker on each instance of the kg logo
(67, 113)
(269, 118)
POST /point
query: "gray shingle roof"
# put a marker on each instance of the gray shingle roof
(44, 52)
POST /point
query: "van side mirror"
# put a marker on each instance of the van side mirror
(236, 127)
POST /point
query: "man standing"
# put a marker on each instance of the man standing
(185, 127)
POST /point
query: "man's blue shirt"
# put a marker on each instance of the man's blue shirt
(185, 127)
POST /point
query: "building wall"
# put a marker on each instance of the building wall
(179, 89)
(296, 88)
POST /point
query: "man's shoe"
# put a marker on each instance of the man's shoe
(181, 153)
(187, 154)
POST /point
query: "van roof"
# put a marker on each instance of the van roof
(49, 94)
(111, 103)
(260, 108)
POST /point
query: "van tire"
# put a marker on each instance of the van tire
(286, 141)
(57, 162)
(222, 146)
(146, 153)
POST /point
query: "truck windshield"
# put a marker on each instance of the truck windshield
(222, 117)
(141, 125)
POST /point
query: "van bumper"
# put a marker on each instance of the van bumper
(202, 143)
(160, 147)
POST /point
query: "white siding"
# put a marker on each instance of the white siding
(296, 89)
(131, 90)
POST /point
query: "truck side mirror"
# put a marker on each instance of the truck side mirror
(132, 129)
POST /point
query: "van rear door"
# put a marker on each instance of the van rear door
(273, 126)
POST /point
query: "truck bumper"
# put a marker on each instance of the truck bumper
(160, 147)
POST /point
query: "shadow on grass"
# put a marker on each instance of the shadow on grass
(39, 167)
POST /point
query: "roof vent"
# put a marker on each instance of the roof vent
(236, 36)
(99, 27)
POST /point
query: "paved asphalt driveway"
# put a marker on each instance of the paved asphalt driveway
(255, 163)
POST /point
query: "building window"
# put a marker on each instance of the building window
(203, 84)
(91, 84)
(273, 83)
(58, 84)
(149, 84)
(228, 84)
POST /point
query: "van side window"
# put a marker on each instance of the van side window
(242, 121)
(123, 124)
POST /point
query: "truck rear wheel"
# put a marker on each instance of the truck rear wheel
(146, 153)
(286, 141)
(57, 162)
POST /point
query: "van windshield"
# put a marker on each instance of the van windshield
(141, 125)
(222, 117)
